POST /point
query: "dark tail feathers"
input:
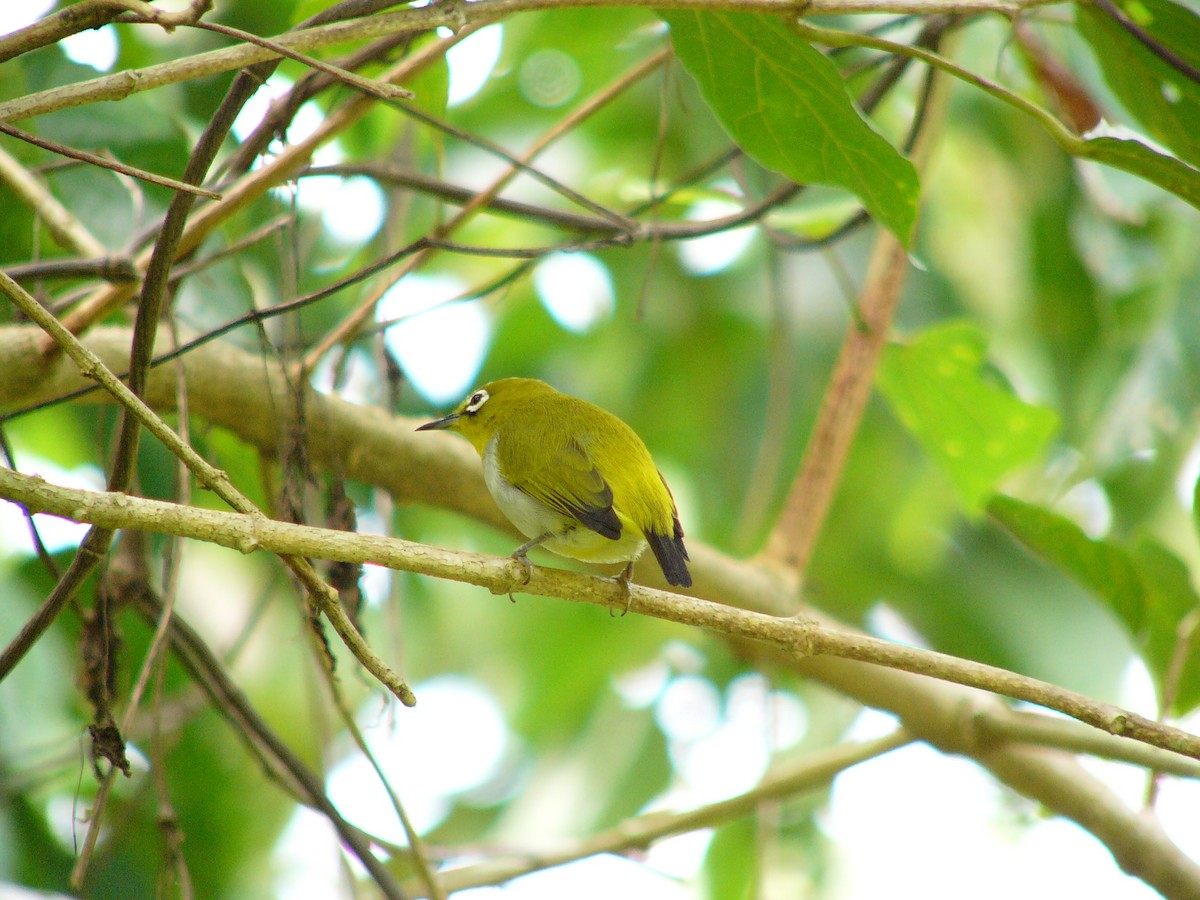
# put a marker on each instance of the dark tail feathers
(671, 555)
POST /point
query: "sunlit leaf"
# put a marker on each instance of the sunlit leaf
(784, 103)
(976, 429)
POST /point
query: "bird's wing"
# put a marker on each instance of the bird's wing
(565, 479)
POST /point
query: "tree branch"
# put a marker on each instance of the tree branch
(279, 762)
(799, 636)
(814, 771)
(426, 18)
(64, 226)
(254, 184)
(102, 162)
(91, 366)
(247, 395)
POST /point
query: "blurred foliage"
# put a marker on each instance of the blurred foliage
(976, 431)
(1045, 368)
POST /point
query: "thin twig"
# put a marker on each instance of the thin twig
(66, 229)
(350, 325)
(1149, 41)
(228, 701)
(212, 478)
(811, 772)
(1064, 734)
(104, 163)
(453, 193)
(108, 268)
(379, 89)
(254, 184)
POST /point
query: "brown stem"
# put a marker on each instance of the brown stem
(808, 502)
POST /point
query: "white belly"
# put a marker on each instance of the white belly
(569, 537)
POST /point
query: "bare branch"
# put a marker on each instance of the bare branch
(114, 165)
(64, 226)
(91, 366)
(798, 636)
(811, 772)
(426, 18)
(248, 395)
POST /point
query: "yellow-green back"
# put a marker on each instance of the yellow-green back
(578, 463)
(562, 451)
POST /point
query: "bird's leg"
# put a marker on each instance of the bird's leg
(520, 556)
(623, 580)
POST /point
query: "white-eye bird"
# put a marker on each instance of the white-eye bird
(572, 477)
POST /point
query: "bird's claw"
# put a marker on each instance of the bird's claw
(526, 571)
(623, 581)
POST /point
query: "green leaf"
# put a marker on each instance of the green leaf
(1148, 588)
(731, 862)
(432, 83)
(1196, 506)
(1169, 597)
(1100, 566)
(977, 430)
(785, 104)
(1164, 100)
(1133, 156)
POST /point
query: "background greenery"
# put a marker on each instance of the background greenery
(1019, 491)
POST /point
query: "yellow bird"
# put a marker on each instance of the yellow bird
(572, 477)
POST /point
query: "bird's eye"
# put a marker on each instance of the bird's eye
(477, 400)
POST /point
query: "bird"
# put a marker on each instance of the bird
(572, 477)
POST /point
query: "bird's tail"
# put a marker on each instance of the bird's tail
(671, 555)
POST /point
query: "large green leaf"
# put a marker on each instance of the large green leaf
(1165, 100)
(977, 430)
(1133, 156)
(1147, 586)
(784, 103)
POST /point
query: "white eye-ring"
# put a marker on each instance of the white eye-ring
(477, 400)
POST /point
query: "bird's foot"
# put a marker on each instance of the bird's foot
(623, 581)
(526, 571)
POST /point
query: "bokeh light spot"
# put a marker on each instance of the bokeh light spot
(439, 342)
(576, 290)
(471, 63)
(715, 252)
(549, 78)
(94, 47)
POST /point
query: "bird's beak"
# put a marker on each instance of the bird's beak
(438, 424)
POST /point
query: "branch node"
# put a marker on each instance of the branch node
(246, 540)
(805, 643)
(458, 15)
(973, 727)
(519, 571)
